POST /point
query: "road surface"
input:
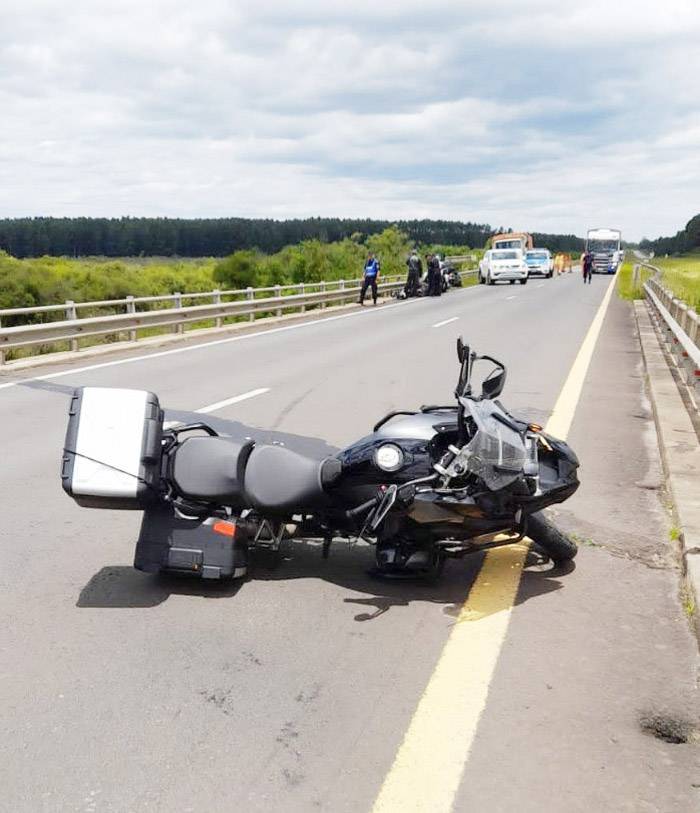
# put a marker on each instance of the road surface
(294, 690)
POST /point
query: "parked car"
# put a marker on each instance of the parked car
(539, 262)
(503, 264)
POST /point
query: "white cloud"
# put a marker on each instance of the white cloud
(545, 115)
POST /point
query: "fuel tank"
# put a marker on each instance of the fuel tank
(420, 439)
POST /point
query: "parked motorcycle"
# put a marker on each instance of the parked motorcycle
(444, 280)
(425, 485)
(452, 277)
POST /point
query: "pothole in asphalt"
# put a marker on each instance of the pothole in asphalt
(674, 730)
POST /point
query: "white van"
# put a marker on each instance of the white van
(503, 264)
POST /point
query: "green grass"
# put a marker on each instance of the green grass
(626, 286)
(682, 276)
(687, 602)
(53, 280)
(584, 541)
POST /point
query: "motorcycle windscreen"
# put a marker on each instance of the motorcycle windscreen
(497, 453)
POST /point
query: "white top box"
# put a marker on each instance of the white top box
(112, 450)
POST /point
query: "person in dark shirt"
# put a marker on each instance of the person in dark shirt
(415, 270)
(587, 266)
(434, 276)
(371, 274)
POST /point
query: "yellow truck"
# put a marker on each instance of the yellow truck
(513, 239)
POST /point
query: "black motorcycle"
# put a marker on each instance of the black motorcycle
(425, 485)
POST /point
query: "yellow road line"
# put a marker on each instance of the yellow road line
(430, 762)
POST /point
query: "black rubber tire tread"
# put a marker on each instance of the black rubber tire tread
(543, 532)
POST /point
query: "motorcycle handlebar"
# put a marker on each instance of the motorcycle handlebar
(366, 506)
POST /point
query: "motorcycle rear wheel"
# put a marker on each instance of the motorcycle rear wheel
(556, 544)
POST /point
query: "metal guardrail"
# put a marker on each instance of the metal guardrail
(73, 328)
(461, 258)
(680, 326)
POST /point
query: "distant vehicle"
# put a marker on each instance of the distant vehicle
(514, 239)
(508, 265)
(605, 246)
(539, 262)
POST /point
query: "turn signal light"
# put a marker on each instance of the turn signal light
(534, 427)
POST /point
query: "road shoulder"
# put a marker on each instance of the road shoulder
(594, 653)
(680, 453)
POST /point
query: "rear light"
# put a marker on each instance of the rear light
(224, 528)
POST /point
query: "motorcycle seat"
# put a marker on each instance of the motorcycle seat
(279, 480)
(211, 469)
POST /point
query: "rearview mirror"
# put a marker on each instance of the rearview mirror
(493, 384)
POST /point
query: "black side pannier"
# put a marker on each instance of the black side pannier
(211, 547)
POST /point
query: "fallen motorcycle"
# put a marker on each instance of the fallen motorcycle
(425, 485)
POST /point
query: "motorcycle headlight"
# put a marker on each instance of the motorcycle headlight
(388, 457)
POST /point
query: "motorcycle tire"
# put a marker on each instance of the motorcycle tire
(545, 534)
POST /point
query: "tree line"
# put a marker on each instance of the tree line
(220, 237)
(559, 242)
(684, 240)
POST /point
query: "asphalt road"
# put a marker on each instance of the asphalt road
(293, 690)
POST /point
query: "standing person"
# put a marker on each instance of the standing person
(434, 276)
(371, 274)
(415, 270)
(559, 264)
(429, 274)
(587, 266)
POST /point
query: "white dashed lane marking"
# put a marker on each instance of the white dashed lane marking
(446, 321)
(236, 399)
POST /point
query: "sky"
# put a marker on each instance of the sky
(550, 116)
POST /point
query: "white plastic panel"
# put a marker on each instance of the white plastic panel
(109, 442)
